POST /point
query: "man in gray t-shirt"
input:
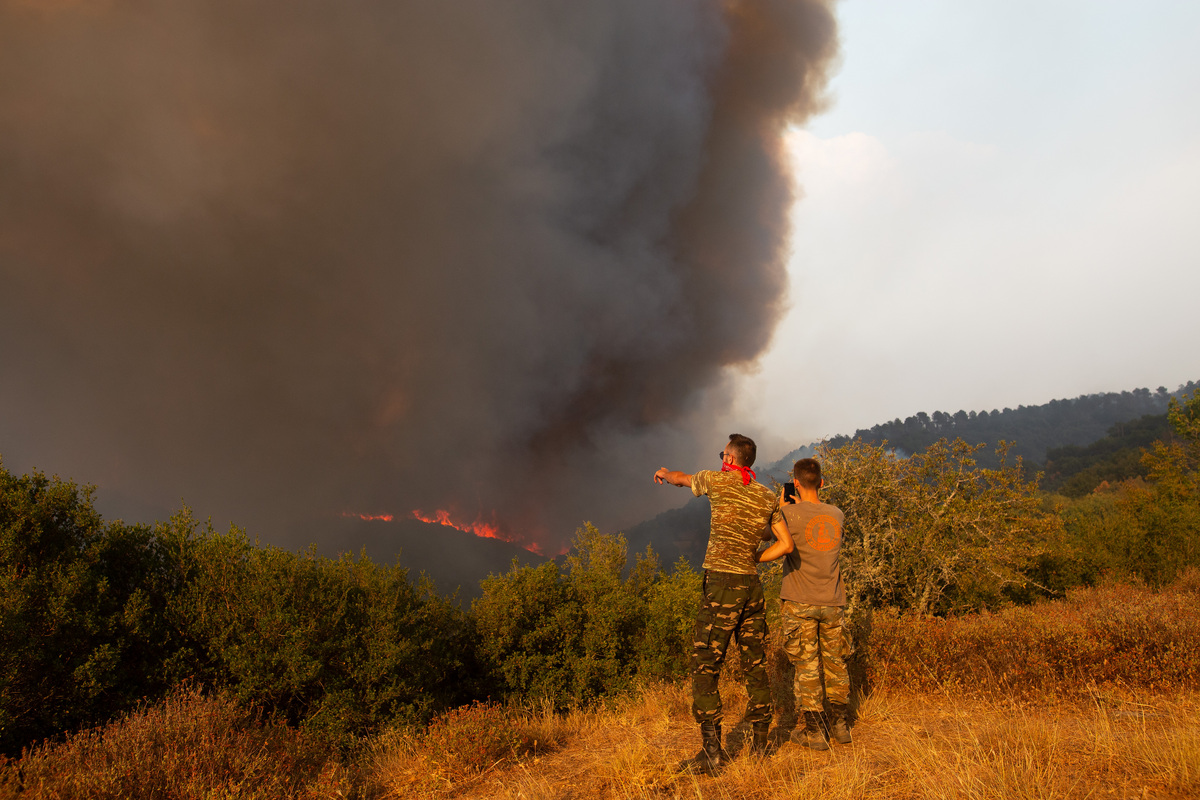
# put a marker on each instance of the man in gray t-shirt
(813, 603)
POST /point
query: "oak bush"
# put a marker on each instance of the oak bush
(934, 532)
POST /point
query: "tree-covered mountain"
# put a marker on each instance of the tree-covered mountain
(1075, 471)
(1031, 430)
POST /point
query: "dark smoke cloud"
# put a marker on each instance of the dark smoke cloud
(287, 259)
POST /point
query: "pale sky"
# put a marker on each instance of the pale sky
(998, 209)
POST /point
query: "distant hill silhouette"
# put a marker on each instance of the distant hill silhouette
(677, 533)
(781, 470)
(453, 559)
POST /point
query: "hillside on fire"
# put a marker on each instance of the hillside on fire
(100, 620)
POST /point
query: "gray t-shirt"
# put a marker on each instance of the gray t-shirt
(811, 573)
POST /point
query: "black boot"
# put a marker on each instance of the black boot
(839, 731)
(812, 737)
(712, 757)
(760, 745)
(722, 756)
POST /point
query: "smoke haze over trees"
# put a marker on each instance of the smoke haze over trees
(292, 259)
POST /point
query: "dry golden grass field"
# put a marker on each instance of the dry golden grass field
(906, 746)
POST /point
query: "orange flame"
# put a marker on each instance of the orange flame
(478, 527)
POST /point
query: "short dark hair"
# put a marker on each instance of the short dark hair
(807, 473)
(744, 449)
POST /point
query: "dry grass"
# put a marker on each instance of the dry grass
(906, 746)
(463, 747)
(1115, 634)
(189, 746)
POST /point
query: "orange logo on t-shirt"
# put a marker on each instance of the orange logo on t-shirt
(823, 533)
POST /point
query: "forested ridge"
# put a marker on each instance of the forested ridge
(98, 617)
(1032, 431)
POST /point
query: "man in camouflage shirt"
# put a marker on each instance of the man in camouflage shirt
(744, 513)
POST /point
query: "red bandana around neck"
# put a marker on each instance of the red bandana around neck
(747, 473)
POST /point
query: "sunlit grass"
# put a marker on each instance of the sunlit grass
(940, 745)
(907, 745)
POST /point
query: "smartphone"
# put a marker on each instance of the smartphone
(789, 492)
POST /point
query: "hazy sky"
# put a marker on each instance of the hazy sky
(999, 209)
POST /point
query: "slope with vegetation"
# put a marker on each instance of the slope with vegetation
(174, 656)
(1075, 470)
(1081, 442)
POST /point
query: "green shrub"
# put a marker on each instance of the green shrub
(82, 629)
(96, 618)
(1144, 529)
(341, 646)
(934, 532)
(671, 607)
(576, 635)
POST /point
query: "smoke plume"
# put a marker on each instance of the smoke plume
(286, 260)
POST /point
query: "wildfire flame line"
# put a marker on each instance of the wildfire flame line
(480, 527)
(369, 517)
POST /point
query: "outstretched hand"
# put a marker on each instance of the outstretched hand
(672, 477)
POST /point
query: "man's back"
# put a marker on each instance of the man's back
(811, 573)
(740, 516)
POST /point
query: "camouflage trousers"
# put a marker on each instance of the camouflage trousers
(730, 604)
(813, 641)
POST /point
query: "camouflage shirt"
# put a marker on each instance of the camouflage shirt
(740, 516)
